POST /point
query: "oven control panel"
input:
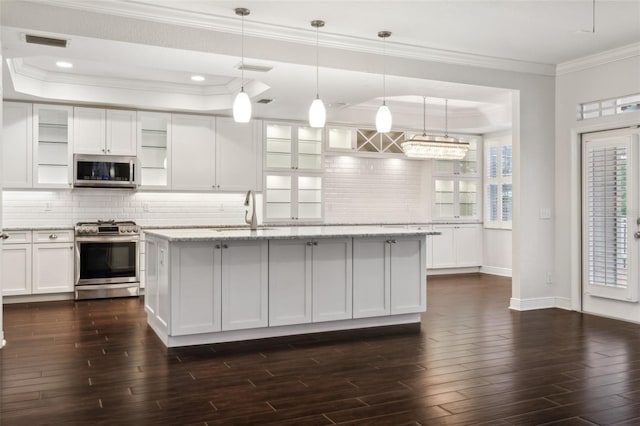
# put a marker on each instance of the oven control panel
(107, 228)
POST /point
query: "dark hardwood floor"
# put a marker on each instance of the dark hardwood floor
(472, 362)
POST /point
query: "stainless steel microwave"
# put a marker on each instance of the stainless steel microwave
(104, 171)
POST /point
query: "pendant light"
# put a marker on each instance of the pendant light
(242, 103)
(383, 117)
(317, 111)
(435, 147)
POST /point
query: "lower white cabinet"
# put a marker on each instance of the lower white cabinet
(388, 276)
(244, 282)
(215, 286)
(44, 266)
(309, 281)
(458, 246)
(52, 262)
(16, 263)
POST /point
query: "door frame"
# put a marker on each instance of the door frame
(575, 258)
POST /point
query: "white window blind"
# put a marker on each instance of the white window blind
(498, 186)
(606, 187)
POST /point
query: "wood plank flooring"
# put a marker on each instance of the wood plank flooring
(473, 361)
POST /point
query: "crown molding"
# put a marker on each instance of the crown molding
(163, 13)
(602, 58)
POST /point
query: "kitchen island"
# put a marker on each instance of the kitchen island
(228, 284)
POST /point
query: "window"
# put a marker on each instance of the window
(613, 106)
(498, 186)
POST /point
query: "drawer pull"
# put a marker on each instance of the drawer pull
(53, 237)
(4, 235)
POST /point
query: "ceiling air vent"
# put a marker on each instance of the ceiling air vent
(46, 41)
(256, 68)
(265, 101)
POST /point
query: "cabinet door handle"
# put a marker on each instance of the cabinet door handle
(4, 235)
(315, 243)
(108, 151)
(53, 236)
(224, 246)
(217, 246)
(70, 247)
(309, 243)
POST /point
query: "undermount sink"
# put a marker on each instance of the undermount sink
(240, 228)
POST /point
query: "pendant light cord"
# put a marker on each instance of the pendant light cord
(384, 70)
(593, 17)
(317, 63)
(446, 118)
(242, 56)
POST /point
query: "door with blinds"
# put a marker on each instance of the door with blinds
(610, 224)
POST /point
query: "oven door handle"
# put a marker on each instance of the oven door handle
(109, 239)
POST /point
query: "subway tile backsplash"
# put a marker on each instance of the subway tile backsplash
(356, 190)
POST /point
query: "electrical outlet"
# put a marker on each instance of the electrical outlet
(549, 278)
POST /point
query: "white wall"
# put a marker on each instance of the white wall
(612, 74)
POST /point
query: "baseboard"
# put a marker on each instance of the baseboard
(540, 303)
(452, 271)
(564, 303)
(531, 304)
(51, 297)
(494, 270)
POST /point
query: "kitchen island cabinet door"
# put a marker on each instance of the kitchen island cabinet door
(289, 282)
(53, 268)
(408, 275)
(244, 282)
(195, 288)
(332, 279)
(371, 277)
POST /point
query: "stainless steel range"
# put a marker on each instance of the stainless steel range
(106, 259)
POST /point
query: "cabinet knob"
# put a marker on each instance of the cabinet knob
(70, 247)
(217, 246)
(225, 246)
(315, 243)
(108, 151)
(4, 235)
(309, 243)
(53, 236)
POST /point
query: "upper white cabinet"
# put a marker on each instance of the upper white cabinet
(238, 155)
(52, 146)
(193, 153)
(291, 147)
(154, 149)
(389, 276)
(17, 151)
(341, 139)
(100, 131)
(458, 246)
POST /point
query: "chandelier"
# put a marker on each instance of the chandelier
(434, 147)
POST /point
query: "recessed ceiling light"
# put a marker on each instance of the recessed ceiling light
(63, 64)
(197, 78)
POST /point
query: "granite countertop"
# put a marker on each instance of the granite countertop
(284, 232)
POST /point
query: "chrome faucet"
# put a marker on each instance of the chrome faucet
(253, 222)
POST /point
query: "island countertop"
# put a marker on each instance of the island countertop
(284, 232)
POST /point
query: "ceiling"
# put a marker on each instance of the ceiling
(121, 69)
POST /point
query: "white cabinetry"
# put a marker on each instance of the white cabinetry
(293, 178)
(215, 286)
(16, 263)
(238, 155)
(289, 282)
(154, 149)
(458, 246)
(100, 131)
(52, 146)
(388, 276)
(193, 153)
(310, 281)
(244, 282)
(17, 153)
(52, 261)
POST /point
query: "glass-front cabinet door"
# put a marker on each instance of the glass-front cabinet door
(290, 147)
(52, 148)
(293, 197)
(456, 199)
(154, 145)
